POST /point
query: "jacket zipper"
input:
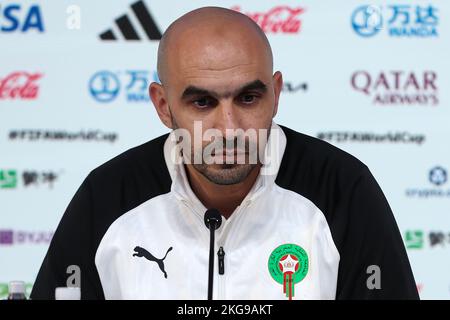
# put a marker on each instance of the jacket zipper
(220, 280)
(221, 255)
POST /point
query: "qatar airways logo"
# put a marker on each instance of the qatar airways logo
(20, 85)
(397, 87)
(280, 19)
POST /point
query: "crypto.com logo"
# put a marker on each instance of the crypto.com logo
(438, 176)
(235, 147)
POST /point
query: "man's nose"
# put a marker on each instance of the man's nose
(226, 117)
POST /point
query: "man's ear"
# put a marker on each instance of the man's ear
(277, 86)
(158, 96)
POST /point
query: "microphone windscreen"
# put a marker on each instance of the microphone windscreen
(213, 218)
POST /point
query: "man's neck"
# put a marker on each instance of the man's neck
(224, 198)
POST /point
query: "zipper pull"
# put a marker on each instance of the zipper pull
(221, 255)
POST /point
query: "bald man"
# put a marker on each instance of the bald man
(301, 218)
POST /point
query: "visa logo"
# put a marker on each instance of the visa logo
(14, 17)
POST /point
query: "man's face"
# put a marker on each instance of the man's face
(224, 87)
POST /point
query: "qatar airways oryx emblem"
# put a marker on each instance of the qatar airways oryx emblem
(288, 265)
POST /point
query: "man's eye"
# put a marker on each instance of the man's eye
(248, 98)
(203, 103)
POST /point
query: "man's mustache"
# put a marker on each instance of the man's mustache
(234, 145)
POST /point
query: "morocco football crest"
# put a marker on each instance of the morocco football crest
(288, 265)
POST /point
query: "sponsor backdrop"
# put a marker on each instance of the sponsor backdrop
(372, 78)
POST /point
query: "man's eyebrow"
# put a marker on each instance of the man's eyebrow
(196, 91)
(254, 85)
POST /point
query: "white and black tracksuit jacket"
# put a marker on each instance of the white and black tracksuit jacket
(129, 212)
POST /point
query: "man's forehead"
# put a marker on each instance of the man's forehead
(225, 74)
(210, 56)
(217, 56)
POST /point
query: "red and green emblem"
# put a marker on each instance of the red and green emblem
(288, 265)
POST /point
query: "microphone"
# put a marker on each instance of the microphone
(213, 220)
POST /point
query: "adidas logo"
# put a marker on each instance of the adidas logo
(128, 31)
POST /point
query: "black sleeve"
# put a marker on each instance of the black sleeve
(370, 236)
(109, 191)
(72, 244)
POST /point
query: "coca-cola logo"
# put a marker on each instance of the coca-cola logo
(280, 19)
(20, 85)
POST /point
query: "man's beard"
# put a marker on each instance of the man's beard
(227, 173)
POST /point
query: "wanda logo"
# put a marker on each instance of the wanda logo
(280, 19)
(20, 85)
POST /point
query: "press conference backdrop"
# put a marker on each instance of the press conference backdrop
(372, 78)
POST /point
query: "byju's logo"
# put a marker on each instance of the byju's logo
(398, 20)
(17, 237)
(130, 32)
(437, 176)
(16, 18)
(105, 86)
(6, 237)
